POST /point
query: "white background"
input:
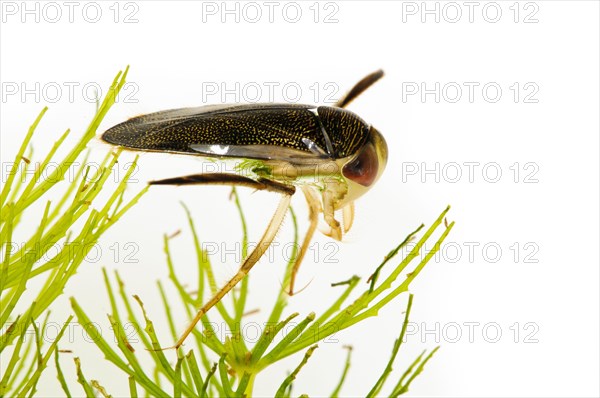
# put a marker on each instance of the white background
(174, 49)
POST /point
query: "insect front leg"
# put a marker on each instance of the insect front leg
(246, 266)
(348, 216)
(329, 198)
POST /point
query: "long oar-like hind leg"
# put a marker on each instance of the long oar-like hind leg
(232, 179)
(247, 265)
(359, 88)
(314, 209)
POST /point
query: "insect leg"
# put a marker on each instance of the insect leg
(314, 208)
(228, 179)
(359, 88)
(246, 266)
(329, 215)
(348, 216)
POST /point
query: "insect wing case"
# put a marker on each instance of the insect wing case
(254, 131)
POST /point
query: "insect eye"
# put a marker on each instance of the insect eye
(363, 168)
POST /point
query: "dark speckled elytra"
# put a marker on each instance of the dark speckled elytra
(280, 125)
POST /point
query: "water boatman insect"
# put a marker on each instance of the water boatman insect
(328, 152)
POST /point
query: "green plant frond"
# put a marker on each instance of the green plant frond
(60, 376)
(288, 380)
(388, 369)
(23, 193)
(132, 387)
(402, 387)
(195, 371)
(19, 157)
(337, 389)
(238, 366)
(216, 365)
(41, 360)
(87, 388)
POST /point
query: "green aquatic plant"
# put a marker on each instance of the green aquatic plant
(229, 367)
(206, 365)
(26, 189)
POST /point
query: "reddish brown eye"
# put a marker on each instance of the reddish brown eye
(363, 169)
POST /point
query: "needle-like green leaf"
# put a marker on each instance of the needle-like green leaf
(288, 380)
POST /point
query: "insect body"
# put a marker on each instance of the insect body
(329, 152)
